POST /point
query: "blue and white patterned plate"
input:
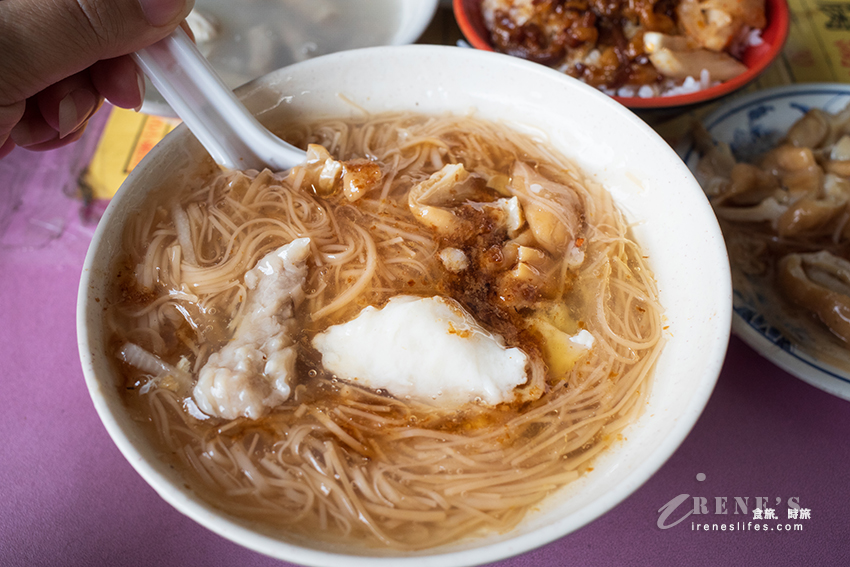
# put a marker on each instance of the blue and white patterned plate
(750, 125)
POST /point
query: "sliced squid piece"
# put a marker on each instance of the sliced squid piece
(426, 349)
(359, 176)
(251, 374)
(554, 212)
(428, 200)
(319, 170)
(820, 283)
(530, 277)
(354, 178)
(797, 169)
(809, 216)
(715, 166)
(810, 130)
(768, 210)
(748, 185)
(432, 202)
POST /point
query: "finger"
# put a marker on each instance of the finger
(42, 42)
(32, 129)
(68, 104)
(119, 80)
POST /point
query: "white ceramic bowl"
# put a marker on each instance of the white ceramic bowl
(671, 217)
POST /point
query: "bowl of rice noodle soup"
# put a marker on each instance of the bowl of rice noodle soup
(485, 310)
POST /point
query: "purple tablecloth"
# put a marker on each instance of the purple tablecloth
(68, 497)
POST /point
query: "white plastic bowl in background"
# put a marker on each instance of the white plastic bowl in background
(671, 217)
(326, 26)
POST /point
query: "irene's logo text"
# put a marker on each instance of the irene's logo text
(726, 508)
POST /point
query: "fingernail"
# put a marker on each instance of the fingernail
(141, 80)
(161, 12)
(74, 110)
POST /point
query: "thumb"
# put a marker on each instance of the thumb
(45, 41)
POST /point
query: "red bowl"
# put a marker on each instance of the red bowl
(756, 58)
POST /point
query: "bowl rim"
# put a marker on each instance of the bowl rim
(778, 23)
(221, 523)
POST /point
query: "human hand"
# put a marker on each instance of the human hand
(60, 58)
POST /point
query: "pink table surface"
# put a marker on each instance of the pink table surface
(68, 497)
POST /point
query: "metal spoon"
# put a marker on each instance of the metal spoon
(231, 134)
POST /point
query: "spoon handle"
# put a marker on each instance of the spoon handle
(231, 135)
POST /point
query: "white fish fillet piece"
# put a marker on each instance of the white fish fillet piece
(427, 349)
